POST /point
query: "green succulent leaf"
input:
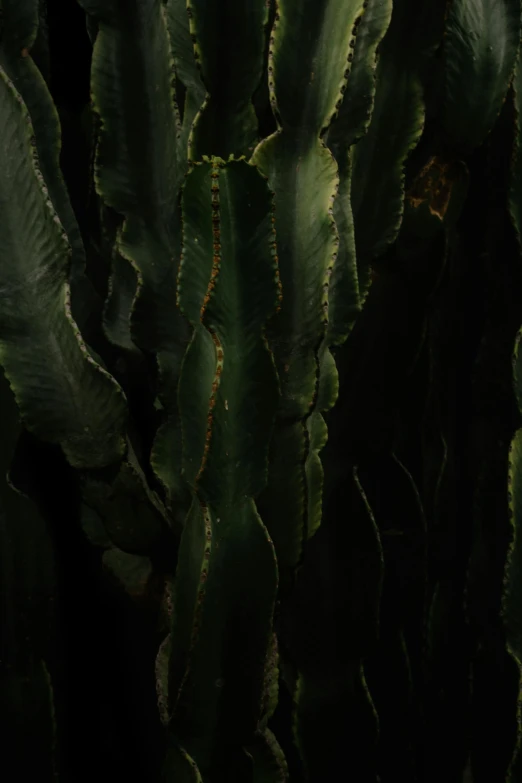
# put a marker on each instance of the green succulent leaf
(137, 170)
(309, 65)
(187, 70)
(64, 396)
(132, 514)
(317, 435)
(351, 124)
(307, 241)
(353, 118)
(309, 61)
(19, 27)
(223, 605)
(344, 300)
(481, 42)
(228, 287)
(166, 461)
(229, 38)
(396, 125)
(123, 287)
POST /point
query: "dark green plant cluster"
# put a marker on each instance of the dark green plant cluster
(261, 391)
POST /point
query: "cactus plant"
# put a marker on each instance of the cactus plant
(260, 283)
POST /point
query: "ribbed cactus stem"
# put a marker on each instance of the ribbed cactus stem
(227, 575)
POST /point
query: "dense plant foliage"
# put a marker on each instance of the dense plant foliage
(261, 391)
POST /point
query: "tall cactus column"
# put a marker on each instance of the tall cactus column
(227, 575)
(309, 61)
